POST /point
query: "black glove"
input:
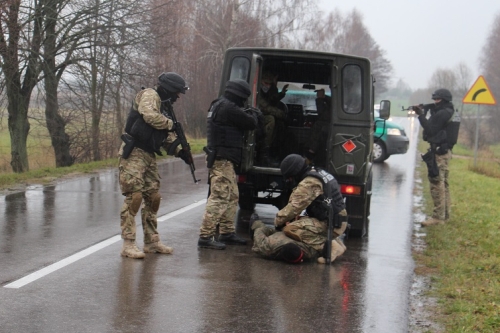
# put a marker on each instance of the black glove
(185, 156)
(418, 110)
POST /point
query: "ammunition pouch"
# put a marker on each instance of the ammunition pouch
(430, 160)
(129, 145)
(211, 154)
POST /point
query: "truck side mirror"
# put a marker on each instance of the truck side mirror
(385, 109)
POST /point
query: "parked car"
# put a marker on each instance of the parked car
(389, 139)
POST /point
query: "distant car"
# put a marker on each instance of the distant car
(411, 113)
(389, 139)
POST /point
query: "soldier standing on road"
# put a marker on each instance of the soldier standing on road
(435, 133)
(226, 123)
(146, 131)
(314, 187)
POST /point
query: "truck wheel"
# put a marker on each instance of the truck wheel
(379, 152)
(358, 219)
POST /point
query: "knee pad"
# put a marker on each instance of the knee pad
(155, 201)
(135, 203)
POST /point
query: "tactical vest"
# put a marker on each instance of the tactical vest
(145, 136)
(221, 136)
(331, 191)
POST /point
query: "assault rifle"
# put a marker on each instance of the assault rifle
(425, 107)
(168, 111)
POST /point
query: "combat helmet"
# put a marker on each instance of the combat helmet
(172, 83)
(443, 94)
(238, 87)
(292, 165)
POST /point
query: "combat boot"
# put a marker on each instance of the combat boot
(432, 221)
(210, 243)
(232, 239)
(157, 247)
(131, 250)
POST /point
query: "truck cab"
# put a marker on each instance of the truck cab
(346, 145)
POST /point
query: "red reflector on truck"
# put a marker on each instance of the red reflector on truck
(350, 189)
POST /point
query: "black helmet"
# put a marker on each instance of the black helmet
(292, 165)
(238, 87)
(444, 94)
(172, 82)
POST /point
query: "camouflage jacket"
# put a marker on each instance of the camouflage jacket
(302, 196)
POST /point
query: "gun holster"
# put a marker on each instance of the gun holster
(211, 154)
(129, 145)
(430, 160)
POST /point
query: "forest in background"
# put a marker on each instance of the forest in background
(70, 69)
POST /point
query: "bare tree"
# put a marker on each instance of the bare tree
(20, 42)
(489, 65)
(335, 33)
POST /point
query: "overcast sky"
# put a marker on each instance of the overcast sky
(420, 36)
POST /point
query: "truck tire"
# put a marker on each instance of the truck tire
(358, 210)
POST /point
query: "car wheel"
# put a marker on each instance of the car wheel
(379, 152)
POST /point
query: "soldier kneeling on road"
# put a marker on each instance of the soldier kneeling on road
(318, 193)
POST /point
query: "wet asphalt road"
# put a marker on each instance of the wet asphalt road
(49, 285)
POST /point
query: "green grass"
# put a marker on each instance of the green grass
(46, 175)
(463, 256)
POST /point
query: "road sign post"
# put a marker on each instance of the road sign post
(479, 94)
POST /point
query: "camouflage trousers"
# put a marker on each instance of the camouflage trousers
(139, 183)
(223, 200)
(268, 243)
(440, 189)
(309, 231)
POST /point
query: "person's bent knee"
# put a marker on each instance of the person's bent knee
(155, 201)
(135, 202)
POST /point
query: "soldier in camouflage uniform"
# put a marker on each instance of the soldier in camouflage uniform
(435, 133)
(226, 123)
(146, 131)
(267, 101)
(309, 194)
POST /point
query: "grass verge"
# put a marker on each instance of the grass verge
(462, 257)
(49, 174)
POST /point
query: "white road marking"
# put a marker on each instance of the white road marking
(88, 251)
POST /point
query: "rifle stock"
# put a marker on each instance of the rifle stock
(329, 234)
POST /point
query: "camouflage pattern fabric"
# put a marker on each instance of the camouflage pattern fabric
(268, 242)
(271, 113)
(302, 196)
(139, 172)
(223, 200)
(439, 188)
(307, 230)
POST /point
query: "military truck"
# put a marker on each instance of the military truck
(347, 142)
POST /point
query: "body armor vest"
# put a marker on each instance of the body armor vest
(331, 191)
(222, 136)
(145, 136)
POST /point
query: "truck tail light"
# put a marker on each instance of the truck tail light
(242, 179)
(350, 189)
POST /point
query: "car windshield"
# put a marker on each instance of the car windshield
(306, 97)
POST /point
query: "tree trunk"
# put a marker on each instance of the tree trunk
(55, 123)
(18, 128)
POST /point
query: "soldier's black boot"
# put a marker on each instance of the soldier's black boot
(232, 239)
(210, 243)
